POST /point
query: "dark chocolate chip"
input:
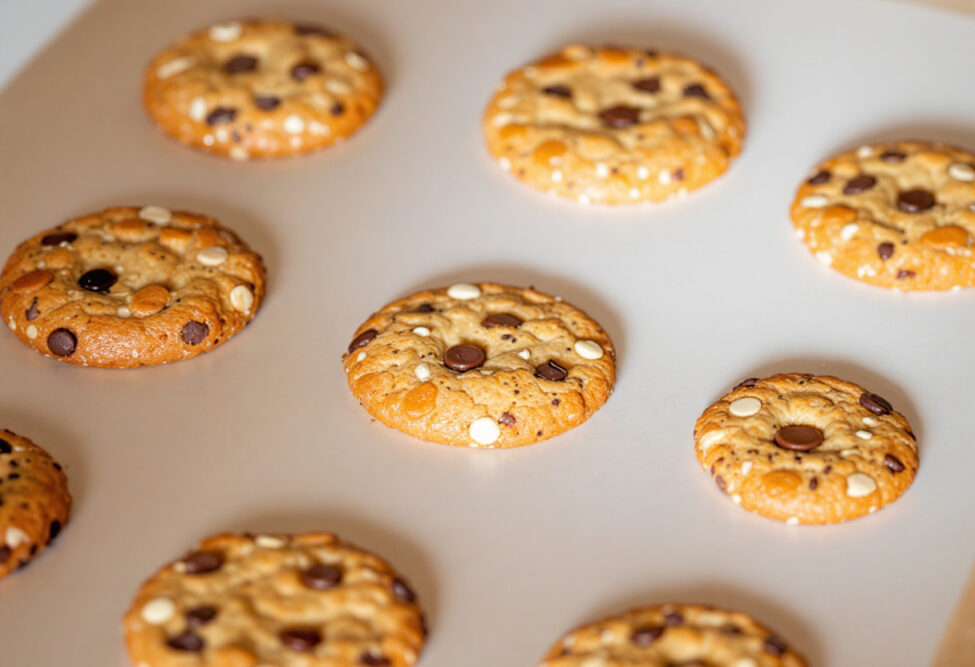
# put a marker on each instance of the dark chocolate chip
(194, 333)
(402, 591)
(719, 480)
(650, 85)
(696, 90)
(875, 404)
(423, 308)
(620, 116)
(337, 109)
(32, 312)
(203, 562)
(240, 63)
(303, 70)
(678, 175)
(799, 438)
(750, 382)
(551, 371)
(308, 29)
(501, 320)
(221, 115)
(321, 577)
(893, 463)
(186, 641)
(267, 102)
(915, 201)
(819, 178)
(57, 238)
(893, 157)
(200, 616)
(813, 484)
(5, 447)
(53, 530)
(904, 273)
(363, 339)
(299, 639)
(558, 90)
(62, 343)
(5, 552)
(731, 630)
(646, 635)
(859, 184)
(370, 658)
(673, 618)
(97, 280)
(507, 419)
(885, 250)
(774, 646)
(463, 357)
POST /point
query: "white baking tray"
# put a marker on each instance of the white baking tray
(508, 549)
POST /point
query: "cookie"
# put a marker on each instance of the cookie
(614, 126)
(898, 215)
(34, 501)
(672, 635)
(130, 287)
(806, 449)
(481, 365)
(242, 600)
(262, 89)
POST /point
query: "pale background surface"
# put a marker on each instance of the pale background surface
(507, 549)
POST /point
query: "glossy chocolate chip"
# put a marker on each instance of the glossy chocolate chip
(819, 178)
(750, 382)
(893, 463)
(859, 184)
(32, 312)
(774, 646)
(402, 591)
(558, 90)
(337, 109)
(199, 616)
(203, 562)
(194, 333)
(915, 201)
(62, 343)
(97, 280)
(57, 238)
(370, 658)
(308, 29)
(651, 85)
(221, 115)
(799, 438)
(620, 116)
(507, 419)
(463, 357)
(875, 404)
(5, 447)
(673, 618)
(363, 339)
(300, 640)
(696, 90)
(646, 635)
(885, 250)
(551, 371)
(905, 273)
(303, 70)
(321, 577)
(892, 157)
(240, 63)
(423, 308)
(267, 102)
(186, 641)
(501, 320)
(53, 530)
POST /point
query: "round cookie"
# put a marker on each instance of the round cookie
(481, 365)
(672, 635)
(806, 449)
(130, 287)
(898, 215)
(262, 89)
(34, 501)
(614, 126)
(309, 600)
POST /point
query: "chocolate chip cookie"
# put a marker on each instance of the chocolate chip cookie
(672, 635)
(309, 600)
(34, 501)
(898, 215)
(130, 287)
(806, 449)
(262, 89)
(614, 126)
(481, 365)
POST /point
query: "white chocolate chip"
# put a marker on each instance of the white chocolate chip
(744, 662)
(588, 349)
(634, 193)
(198, 111)
(12, 324)
(269, 541)
(212, 256)
(337, 86)
(814, 201)
(356, 62)
(15, 537)
(792, 521)
(642, 173)
(859, 485)
(870, 421)
(175, 66)
(746, 467)
(736, 499)
(825, 257)
(361, 356)
(422, 331)
(961, 171)
(422, 372)
(556, 176)
(124, 312)
(31, 331)
(864, 435)
(525, 354)
(225, 32)
(864, 152)
(664, 177)
(484, 431)
(158, 610)
(463, 291)
(505, 163)
(602, 171)
(156, 214)
(584, 199)
(241, 298)
(745, 407)
(294, 124)
(239, 153)
(848, 231)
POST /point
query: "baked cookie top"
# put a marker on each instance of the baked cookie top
(34, 501)
(481, 365)
(307, 600)
(898, 215)
(262, 89)
(672, 635)
(613, 126)
(806, 449)
(130, 287)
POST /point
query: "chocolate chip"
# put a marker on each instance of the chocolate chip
(194, 333)
(875, 404)
(62, 343)
(774, 645)
(799, 438)
(402, 591)
(307, 29)
(678, 175)
(200, 616)
(813, 484)
(819, 178)
(650, 85)
(32, 312)
(507, 418)
(558, 90)
(240, 63)
(186, 641)
(859, 184)
(463, 357)
(551, 371)
(53, 530)
(646, 635)
(97, 280)
(363, 339)
(15, 475)
(731, 630)
(337, 109)
(221, 115)
(673, 618)
(904, 273)
(203, 562)
(696, 90)
(370, 658)
(620, 116)
(914, 201)
(893, 157)
(267, 102)
(501, 320)
(893, 463)
(750, 382)
(57, 238)
(719, 480)
(300, 640)
(303, 70)
(885, 250)
(423, 308)
(321, 577)
(5, 553)
(5, 447)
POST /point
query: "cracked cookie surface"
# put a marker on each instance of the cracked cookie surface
(899, 215)
(806, 449)
(673, 635)
(34, 501)
(614, 126)
(262, 89)
(481, 365)
(130, 287)
(299, 600)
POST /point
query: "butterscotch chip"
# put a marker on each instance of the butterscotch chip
(115, 289)
(481, 365)
(614, 126)
(806, 449)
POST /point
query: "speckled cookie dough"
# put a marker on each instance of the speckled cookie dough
(262, 89)
(806, 449)
(614, 126)
(306, 600)
(481, 365)
(34, 501)
(673, 635)
(130, 287)
(898, 215)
